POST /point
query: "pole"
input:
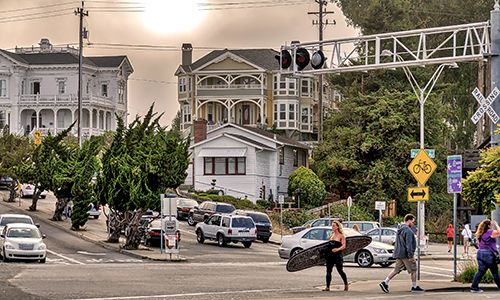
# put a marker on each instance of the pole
(455, 236)
(281, 221)
(380, 222)
(82, 13)
(162, 196)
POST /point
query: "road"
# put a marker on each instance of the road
(77, 269)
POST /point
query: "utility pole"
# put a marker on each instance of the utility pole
(82, 13)
(321, 13)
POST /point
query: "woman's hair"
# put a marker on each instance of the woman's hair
(355, 227)
(482, 228)
(339, 225)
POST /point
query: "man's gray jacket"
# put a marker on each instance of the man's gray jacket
(406, 243)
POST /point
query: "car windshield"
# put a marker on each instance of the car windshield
(9, 220)
(225, 209)
(259, 218)
(186, 202)
(23, 233)
(243, 223)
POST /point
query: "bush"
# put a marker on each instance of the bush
(238, 203)
(262, 204)
(467, 271)
(292, 218)
(388, 221)
(304, 183)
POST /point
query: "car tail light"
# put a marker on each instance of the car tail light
(229, 231)
(185, 209)
(28, 187)
(154, 233)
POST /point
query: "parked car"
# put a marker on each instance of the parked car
(364, 226)
(94, 211)
(388, 234)
(262, 223)
(315, 223)
(184, 206)
(22, 241)
(27, 190)
(227, 228)
(15, 218)
(206, 209)
(374, 253)
(153, 232)
(5, 181)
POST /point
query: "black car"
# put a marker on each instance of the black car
(184, 206)
(206, 209)
(262, 222)
(5, 181)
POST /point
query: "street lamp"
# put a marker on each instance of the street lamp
(422, 95)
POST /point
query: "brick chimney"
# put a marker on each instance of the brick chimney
(200, 130)
(187, 54)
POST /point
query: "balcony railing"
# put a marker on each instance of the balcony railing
(231, 86)
(64, 99)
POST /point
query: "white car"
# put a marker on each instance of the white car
(6, 219)
(374, 253)
(227, 228)
(27, 190)
(388, 235)
(22, 241)
(94, 212)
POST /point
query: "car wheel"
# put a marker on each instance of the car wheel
(199, 236)
(221, 240)
(386, 264)
(265, 240)
(247, 244)
(295, 251)
(191, 221)
(364, 258)
(42, 261)
(4, 256)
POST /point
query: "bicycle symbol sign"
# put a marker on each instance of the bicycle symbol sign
(422, 167)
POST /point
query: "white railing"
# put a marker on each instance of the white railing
(231, 86)
(38, 99)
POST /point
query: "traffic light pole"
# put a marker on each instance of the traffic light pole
(82, 13)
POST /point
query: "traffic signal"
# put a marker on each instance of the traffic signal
(302, 58)
(318, 60)
(262, 192)
(285, 59)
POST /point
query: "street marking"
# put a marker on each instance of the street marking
(65, 257)
(437, 274)
(195, 294)
(437, 268)
(92, 254)
(407, 295)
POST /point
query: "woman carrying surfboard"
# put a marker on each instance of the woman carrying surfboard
(334, 257)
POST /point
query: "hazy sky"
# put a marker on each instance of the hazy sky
(163, 23)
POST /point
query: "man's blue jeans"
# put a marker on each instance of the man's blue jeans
(485, 261)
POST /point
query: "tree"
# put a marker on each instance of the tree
(139, 165)
(306, 185)
(481, 188)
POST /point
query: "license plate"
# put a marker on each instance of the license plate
(26, 246)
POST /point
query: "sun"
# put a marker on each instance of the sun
(172, 16)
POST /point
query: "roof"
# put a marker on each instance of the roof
(249, 140)
(65, 58)
(263, 58)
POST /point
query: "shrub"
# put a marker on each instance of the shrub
(304, 183)
(238, 203)
(262, 204)
(468, 269)
(291, 218)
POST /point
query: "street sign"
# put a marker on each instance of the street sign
(454, 174)
(418, 194)
(281, 199)
(485, 105)
(168, 205)
(349, 201)
(379, 205)
(430, 152)
(422, 167)
(169, 226)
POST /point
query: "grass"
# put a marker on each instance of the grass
(467, 271)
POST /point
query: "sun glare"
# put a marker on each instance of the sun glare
(169, 16)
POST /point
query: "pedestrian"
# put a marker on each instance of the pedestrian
(486, 255)
(404, 252)
(467, 237)
(355, 227)
(450, 233)
(334, 257)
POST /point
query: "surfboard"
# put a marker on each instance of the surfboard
(316, 256)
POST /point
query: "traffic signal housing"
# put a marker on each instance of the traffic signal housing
(302, 58)
(285, 59)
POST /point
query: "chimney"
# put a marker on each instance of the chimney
(187, 54)
(45, 45)
(200, 130)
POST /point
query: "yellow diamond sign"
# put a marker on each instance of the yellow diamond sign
(38, 137)
(422, 167)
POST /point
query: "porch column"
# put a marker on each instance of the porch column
(55, 121)
(262, 121)
(37, 122)
(91, 122)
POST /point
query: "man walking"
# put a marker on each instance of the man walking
(404, 252)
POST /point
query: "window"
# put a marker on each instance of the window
(87, 88)
(61, 86)
(226, 222)
(291, 111)
(306, 88)
(295, 157)
(182, 85)
(104, 90)
(315, 234)
(388, 232)
(121, 92)
(210, 113)
(35, 87)
(374, 232)
(282, 155)
(286, 114)
(285, 85)
(186, 113)
(3, 119)
(224, 165)
(215, 220)
(3, 88)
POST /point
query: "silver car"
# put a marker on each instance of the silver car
(374, 253)
(388, 235)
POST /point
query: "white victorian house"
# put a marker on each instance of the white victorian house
(244, 161)
(39, 90)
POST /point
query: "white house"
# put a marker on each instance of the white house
(39, 90)
(244, 161)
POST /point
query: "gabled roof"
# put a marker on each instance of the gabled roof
(13, 56)
(108, 61)
(239, 138)
(263, 58)
(249, 140)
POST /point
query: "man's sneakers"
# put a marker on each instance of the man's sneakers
(384, 286)
(475, 290)
(417, 289)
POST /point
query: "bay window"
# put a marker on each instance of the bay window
(285, 85)
(224, 165)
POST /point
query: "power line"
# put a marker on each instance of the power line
(37, 7)
(35, 18)
(34, 14)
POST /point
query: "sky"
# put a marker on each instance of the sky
(206, 24)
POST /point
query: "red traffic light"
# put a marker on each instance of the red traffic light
(318, 60)
(301, 58)
(285, 59)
